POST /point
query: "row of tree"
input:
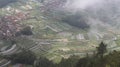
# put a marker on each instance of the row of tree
(98, 59)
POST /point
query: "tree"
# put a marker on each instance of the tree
(26, 31)
(113, 59)
(82, 62)
(101, 49)
(69, 62)
(23, 57)
(43, 62)
(97, 60)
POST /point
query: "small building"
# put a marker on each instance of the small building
(80, 37)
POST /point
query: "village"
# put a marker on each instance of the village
(50, 39)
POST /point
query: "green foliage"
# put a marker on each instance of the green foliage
(43, 62)
(101, 60)
(110, 60)
(101, 49)
(70, 62)
(23, 57)
(113, 59)
(26, 31)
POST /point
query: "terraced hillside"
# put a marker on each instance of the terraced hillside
(53, 38)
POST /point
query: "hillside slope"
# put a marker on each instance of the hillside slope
(60, 33)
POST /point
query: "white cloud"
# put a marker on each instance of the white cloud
(82, 4)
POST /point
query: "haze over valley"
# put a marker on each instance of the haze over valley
(57, 29)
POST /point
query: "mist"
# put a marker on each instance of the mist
(105, 11)
(81, 4)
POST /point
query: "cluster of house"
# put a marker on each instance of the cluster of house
(49, 5)
(17, 17)
(9, 24)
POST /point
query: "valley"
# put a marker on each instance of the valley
(52, 38)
